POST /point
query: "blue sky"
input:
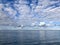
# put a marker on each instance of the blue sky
(37, 10)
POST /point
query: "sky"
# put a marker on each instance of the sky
(27, 12)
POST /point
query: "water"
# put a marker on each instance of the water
(11, 37)
(29, 37)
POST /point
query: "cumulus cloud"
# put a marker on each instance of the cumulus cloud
(22, 12)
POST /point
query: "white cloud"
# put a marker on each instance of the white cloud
(26, 15)
(10, 11)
